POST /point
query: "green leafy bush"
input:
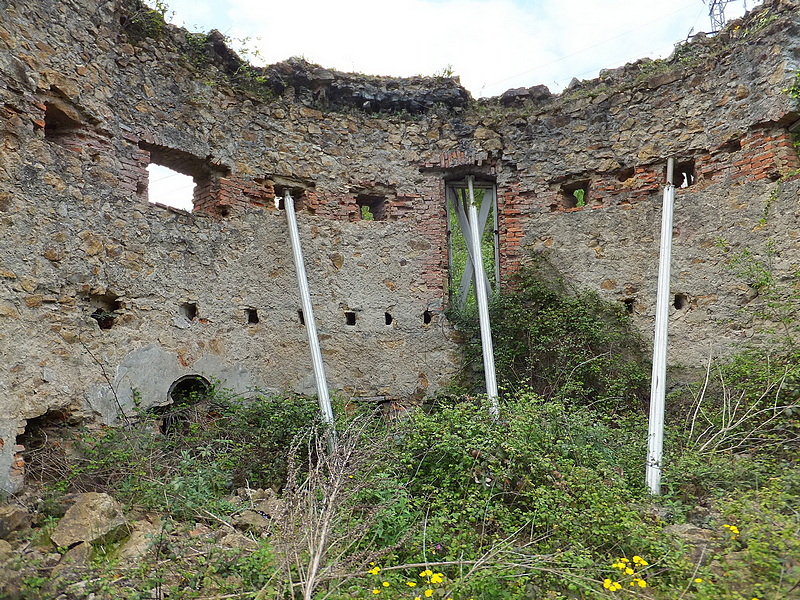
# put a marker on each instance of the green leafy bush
(221, 444)
(559, 343)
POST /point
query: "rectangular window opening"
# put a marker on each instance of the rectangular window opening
(178, 179)
(461, 269)
(575, 194)
(350, 318)
(60, 122)
(372, 208)
(252, 316)
(685, 174)
(297, 194)
(169, 187)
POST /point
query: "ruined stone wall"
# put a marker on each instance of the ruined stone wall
(108, 300)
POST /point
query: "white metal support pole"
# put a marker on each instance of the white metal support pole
(308, 314)
(655, 434)
(483, 303)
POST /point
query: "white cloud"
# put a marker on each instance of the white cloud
(492, 44)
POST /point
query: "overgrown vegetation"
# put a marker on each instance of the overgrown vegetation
(548, 501)
(559, 342)
(145, 20)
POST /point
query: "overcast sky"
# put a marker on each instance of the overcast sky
(493, 45)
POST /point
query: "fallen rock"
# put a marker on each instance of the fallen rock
(697, 540)
(93, 517)
(6, 551)
(143, 535)
(75, 559)
(13, 518)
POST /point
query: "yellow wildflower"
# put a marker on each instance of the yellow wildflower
(437, 578)
(628, 571)
(411, 583)
(374, 570)
(611, 586)
(428, 593)
(698, 580)
(376, 591)
(385, 584)
(426, 573)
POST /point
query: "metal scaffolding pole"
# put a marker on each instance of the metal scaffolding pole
(655, 434)
(308, 315)
(483, 303)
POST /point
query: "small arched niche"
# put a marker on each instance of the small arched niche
(184, 395)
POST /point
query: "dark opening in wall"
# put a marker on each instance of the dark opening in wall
(350, 318)
(252, 316)
(575, 194)
(630, 304)
(625, 174)
(297, 194)
(427, 317)
(685, 174)
(44, 444)
(301, 317)
(185, 394)
(188, 310)
(387, 318)
(731, 146)
(106, 309)
(372, 208)
(189, 389)
(59, 122)
(681, 301)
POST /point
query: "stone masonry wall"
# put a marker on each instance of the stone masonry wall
(107, 300)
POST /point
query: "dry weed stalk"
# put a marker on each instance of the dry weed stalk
(324, 533)
(739, 421)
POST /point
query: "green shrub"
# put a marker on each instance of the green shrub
(559, 343)
(220, 444)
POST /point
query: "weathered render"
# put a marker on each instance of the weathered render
(107, 301)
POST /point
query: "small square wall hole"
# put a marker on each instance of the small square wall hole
(575, 194)
(188, 310)
(387, 318)
(630, 305)
(685, 174)
(106, 309)
(372, 208)
(681, 301)
(301, 317)
(252, 315)
(350, 318)
(427, 317)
